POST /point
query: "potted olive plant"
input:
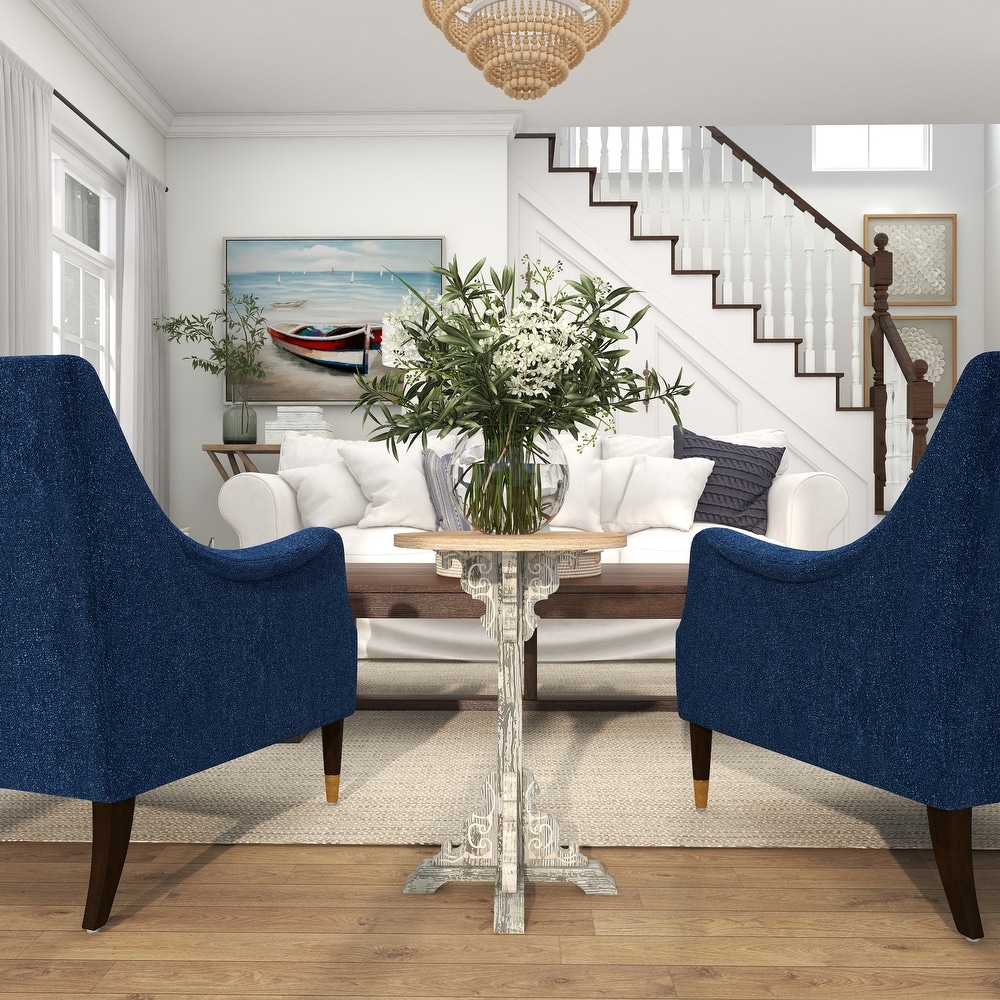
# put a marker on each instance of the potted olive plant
(234, 337)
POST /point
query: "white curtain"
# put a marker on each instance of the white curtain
(144, 362)
(25, 208)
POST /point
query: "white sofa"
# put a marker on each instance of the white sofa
(626, 483)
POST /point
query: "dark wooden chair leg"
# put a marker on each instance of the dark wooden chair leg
(951, 837)
(701, 763)
(112, 829)
(333, 748)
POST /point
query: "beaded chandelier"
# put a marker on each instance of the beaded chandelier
(524, 47)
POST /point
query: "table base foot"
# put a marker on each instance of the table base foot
(541, 857)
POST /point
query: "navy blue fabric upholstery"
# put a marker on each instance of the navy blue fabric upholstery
(877, 660)
(133, 655)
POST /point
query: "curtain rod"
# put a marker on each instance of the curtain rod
(104, 135)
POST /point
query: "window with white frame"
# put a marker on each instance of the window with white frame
(87, 214)
(871, 147)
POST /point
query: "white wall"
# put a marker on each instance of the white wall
(305, 187)
(47, 50)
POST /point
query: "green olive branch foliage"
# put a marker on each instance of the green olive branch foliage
(234, 347)
(458, 383)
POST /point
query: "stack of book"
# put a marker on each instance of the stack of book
(305, 419)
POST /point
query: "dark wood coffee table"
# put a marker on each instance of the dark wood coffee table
(415, 590)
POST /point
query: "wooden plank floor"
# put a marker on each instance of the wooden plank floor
(274, 922)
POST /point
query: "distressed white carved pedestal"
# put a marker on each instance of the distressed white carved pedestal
(508, 841)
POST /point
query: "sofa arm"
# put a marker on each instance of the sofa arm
(260, 507)
(803, 508)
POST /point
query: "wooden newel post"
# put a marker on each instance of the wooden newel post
(919, 408)
(880, 278)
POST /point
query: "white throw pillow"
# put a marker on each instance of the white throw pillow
(663, 493)
(299, 449)
(582, 507)
(396, 488)
(327, 494)
(623, 445)
(615, 474)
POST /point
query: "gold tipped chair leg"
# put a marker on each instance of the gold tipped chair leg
(333, 748)
(700, 794)
(332, 787)
(701, 763)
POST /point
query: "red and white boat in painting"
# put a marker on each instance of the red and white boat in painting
(347, 348)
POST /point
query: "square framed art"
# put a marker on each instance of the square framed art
(923, 258)
(323, 301)
(933, 338)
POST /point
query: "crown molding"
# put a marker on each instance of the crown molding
(70, 19)
(243, 126)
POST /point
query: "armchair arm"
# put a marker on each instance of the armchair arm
(803, 508)
(259, 507)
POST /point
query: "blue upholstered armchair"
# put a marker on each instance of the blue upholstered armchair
(879, 660)
(131, 655)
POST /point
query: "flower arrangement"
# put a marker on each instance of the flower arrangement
(515, 366)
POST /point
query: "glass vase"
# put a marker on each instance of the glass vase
(510, 488)
(239, 419)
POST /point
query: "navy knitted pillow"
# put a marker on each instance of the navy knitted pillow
(736, 492)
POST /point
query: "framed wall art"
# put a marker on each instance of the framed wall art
(933, 338)
(923, 258)
(323, 300)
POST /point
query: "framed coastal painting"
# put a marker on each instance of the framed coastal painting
(933, 338)
(923, 258)
(323, 301)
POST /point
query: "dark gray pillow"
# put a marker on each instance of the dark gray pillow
(736, 492)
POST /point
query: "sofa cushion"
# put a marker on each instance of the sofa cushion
(396, 488)
(625, 445)
(663, 493)
(299, 449)
(327, 495)
(736, 492)
(581, 507)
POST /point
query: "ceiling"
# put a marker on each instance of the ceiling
(726, 61)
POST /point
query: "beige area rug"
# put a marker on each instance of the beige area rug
(609, 779)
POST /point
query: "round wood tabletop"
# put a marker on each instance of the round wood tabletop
(539, 541)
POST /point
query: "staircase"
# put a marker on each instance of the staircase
(751, 368)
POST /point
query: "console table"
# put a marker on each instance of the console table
(238, 454)
(508, 841)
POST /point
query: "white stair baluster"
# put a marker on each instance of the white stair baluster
(665, 225)
(857, 385)
(584, 147)
(808, 327)
(747, 234)
(563, 147)
(727, 226)
(829, 351)
(686, 198)
(604, 184)
(706, 199)
(644, 224)
(788, 329)
(624, 176)
(767, 192)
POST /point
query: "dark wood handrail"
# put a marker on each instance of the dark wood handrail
(803, 206)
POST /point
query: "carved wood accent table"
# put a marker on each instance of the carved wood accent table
(238, 454)
(508, 841)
